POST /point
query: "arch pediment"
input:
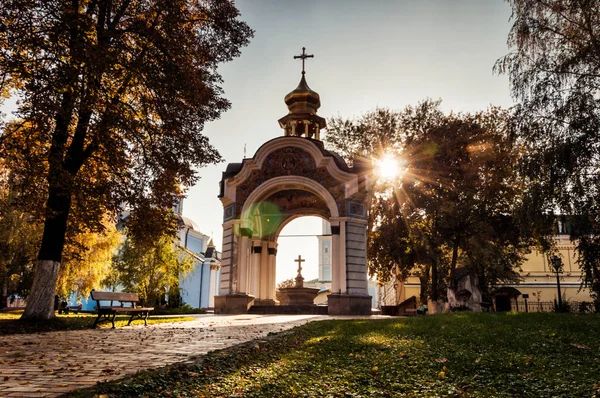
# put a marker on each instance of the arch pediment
(289, 157)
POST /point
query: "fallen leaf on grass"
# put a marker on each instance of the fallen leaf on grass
(441, 360)
(582, 346)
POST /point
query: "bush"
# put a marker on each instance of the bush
(563, 307)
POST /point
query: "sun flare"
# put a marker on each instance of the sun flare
(388, 167)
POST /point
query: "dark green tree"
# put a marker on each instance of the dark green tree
(453, 204)
(554, 71)
(114, 95)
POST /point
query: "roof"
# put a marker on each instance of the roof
(188, 222)
(210, 252)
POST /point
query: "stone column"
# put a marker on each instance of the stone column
(356, 262)
(264, 272)
(225, 285)
(342, 251)
(350, 297)
(255, 270)
(243, 265)
(233, 298)
(335, 258)
(272, 250)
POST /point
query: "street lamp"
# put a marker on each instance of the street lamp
(557, 265)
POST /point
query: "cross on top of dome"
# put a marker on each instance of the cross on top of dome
(303, 103)
(303, 56)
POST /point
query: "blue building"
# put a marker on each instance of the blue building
(198, 288)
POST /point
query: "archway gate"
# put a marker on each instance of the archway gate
(287, 178)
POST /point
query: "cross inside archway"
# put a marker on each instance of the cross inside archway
(299, 260)
(303, 56)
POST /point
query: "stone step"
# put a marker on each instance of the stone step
(289, 309)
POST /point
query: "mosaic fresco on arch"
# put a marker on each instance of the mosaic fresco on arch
(290, 161)
(290, 200)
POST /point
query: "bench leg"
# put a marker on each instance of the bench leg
(96, 321)
(112, 320)
(141, 315)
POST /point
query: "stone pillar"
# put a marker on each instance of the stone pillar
(225, 285)
(265, 287)
(272, 252)
(335, 259)
(255, 270)
(351, 297)
(342, 251)
(233, 298)
(356, 263)
(243, 264)
(338, 257)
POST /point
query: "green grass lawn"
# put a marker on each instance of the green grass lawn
(453, 355)
(10, 324)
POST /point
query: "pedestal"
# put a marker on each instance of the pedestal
(347, 304)
(297, 296)
(265, 302)
(233, 303)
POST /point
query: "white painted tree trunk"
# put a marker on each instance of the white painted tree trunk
(40, 303)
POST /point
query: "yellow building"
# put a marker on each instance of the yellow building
(538, 281)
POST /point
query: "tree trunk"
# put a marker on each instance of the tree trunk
(4, 293)
(453, 263)
(424, 281)
(40, 303)
(434, 279)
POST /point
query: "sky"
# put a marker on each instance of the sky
(368, 54)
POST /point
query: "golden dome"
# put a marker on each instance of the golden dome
(302, 99)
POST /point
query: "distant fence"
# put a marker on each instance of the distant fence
(15, 303)
(548, 306)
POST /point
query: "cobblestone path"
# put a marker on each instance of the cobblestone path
(50, 364)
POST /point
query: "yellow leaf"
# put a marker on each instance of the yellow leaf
(375, 368)
(442, 374)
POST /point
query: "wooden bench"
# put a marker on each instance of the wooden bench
(107, 313)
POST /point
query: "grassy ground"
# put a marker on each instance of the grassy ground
(454, 355)
(10, 324)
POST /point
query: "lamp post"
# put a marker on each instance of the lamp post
(557, 265)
